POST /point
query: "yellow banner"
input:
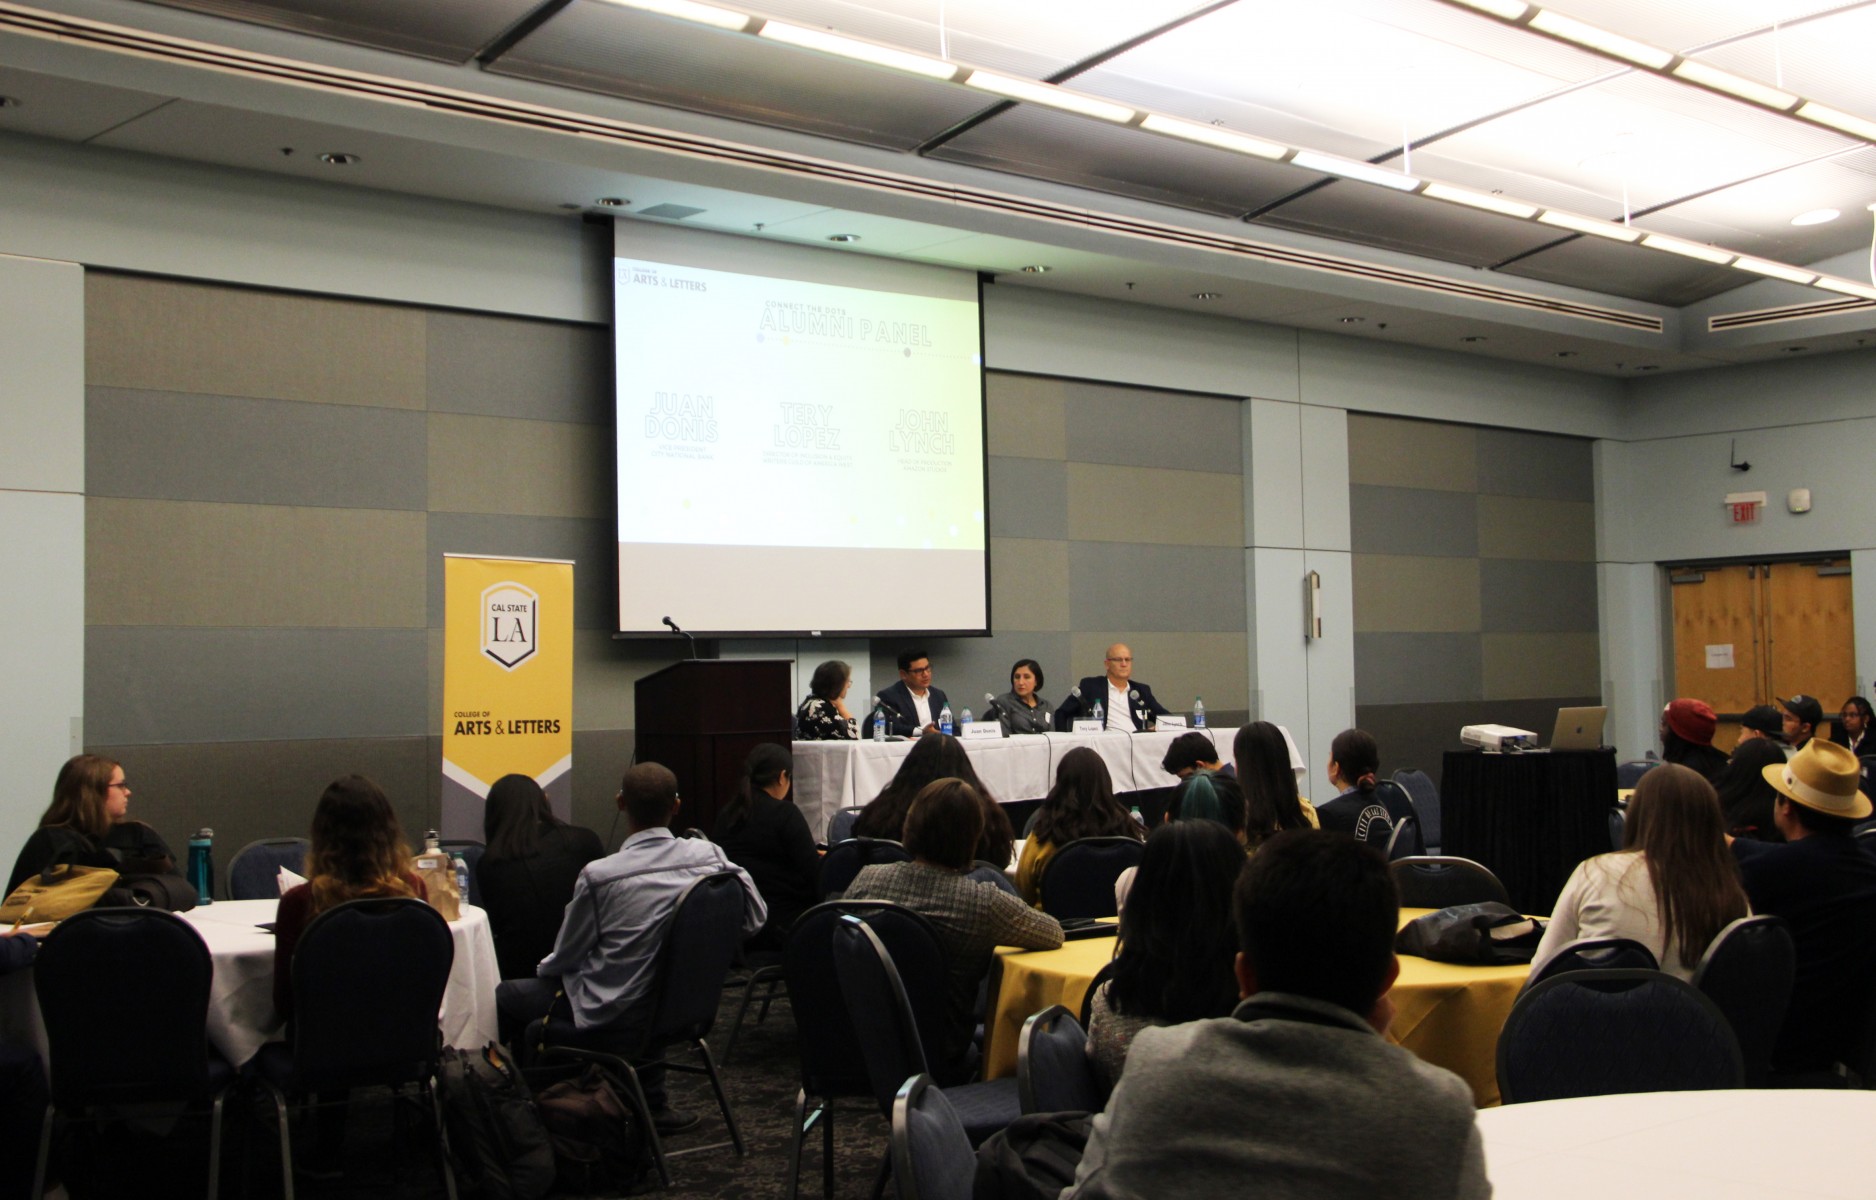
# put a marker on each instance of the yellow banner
(507, 682)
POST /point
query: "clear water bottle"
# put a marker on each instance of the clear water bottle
(944, 720)
(432, 840)
(462, 874)
(1137, 818)
(964, 720)
(1198, 712)
(202, 864)
(1100, 714)
(879, 723)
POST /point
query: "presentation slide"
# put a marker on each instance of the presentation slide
(801, 443)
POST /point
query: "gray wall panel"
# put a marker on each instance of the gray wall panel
(590, 544)
(1401, 593)
(152, 684)
(521, 468)
(506, 367)
(232, 449)
(1028, 498)
(1028, 584)
(1417, 668)
(1026, 415)
(1513, 463)
(1529, 527)
(1392, 452)
(1132, 427)
(1127, 585)
(1395, 520)
(1524, 596)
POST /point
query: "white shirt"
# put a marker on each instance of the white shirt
(921, 709)
(1610, 895)
(1118, 714)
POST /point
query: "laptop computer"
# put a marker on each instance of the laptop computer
(1579, 728)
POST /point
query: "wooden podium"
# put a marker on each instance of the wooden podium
(702, 717)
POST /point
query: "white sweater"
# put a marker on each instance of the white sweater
(1610, 895)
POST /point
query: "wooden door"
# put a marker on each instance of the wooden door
(1719, 607)
(1812, 640)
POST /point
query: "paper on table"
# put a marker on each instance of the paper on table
(289, 881)
(1720, 658)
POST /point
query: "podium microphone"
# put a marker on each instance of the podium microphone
(674, 629)
(990, 705)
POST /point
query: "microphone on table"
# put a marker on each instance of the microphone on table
(675, 629)
(1133, 698)
(991, 708)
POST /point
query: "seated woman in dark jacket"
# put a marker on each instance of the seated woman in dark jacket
(762, 832)
(526, 874)
(823, 716)
(937, 756)
(88, 824)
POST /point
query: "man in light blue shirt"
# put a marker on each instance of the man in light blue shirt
(596, 986)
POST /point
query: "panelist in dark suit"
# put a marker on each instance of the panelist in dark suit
(913, 704)
(1126, 703)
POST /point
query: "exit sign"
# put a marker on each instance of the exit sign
(1745, 513)
(1743, 507)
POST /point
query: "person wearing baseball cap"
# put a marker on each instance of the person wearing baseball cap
(1762, 721)
(1687, 737)
(1824, 886)
(1803, 714)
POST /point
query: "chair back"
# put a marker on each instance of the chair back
(1401, 808)
(1601, 1033)
(1596, 954)
(254, 872)
(829, 1049)
(1419, 788)
(1078, 880)
(1866, 838)
(1442, 881)
(1403, 842)
(1618, 826)
(1628, 774)
(840, 825)
(368, 982)
(124, 993)
(1748, 971)
(845, 859)
(1052, 1069)
(700, 945)
(881, 1011)
(993, 875)
(931, 1155)
(472, 856)
(1094, 985)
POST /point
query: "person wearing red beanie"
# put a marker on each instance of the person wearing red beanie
(1687, 737)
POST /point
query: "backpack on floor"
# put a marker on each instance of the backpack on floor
(599, 1140)
(1033, 1159)
(498, 1146)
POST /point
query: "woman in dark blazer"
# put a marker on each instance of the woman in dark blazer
(762, 832)
(526, 874)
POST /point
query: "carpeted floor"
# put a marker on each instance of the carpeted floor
(118, 1160)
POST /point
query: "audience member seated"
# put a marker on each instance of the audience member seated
(1687, 738)
(937, 756)
(823, 716)
(1204, 796)
(1803, 714)
(1746, 799)
(1761, 722)
(527, 871)
(358, 851)
(1353, 761)
(1852, 730)
(1271, 801)
(1022, 709)
(595, 988)
(1080, 805)
(88, 825)
(1191, 752)
(972, 918)
(1176, 941)
(1672, 887)
(1824, 886)
(1297, 1093)
(762, 831)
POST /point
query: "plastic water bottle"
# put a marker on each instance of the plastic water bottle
(964, 721)
(879, 723)
(1138, 819)
(1100, 714)
(1198, 712)
(462, 874)
(432, 840)
(202, 865)
(944, 720)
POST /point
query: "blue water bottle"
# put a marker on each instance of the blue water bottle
(202, 865)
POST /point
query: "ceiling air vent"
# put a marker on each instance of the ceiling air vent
(669, 212)
(1790, 312)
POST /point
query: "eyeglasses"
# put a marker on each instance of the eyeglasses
(924, 670)
(124, 784)
(1121, 660)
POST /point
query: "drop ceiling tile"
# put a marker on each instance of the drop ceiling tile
(1683, 24)
(1373, 216)
(448, 30)
(1616, 269)
(49, 106)
(1825, 60)
(1755, 216)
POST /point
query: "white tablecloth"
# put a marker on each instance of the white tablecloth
(241, 998)
(830, 776)
(1732, 1145)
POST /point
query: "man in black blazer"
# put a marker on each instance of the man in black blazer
(912, 704)
(1126, 703)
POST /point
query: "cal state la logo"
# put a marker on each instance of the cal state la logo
(510, 621)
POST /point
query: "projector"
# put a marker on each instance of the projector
(1498, 737)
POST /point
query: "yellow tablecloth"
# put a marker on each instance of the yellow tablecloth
(1447, 1014)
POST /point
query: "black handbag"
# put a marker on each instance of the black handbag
(1487, 934)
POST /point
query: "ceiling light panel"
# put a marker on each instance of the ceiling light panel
(1411, 224)
(446, 30)
(1682, 24)
(1755, 217)
(1620, 270)
(1826, 60)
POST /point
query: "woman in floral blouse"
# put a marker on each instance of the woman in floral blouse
(823, 716)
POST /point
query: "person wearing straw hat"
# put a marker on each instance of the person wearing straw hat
(1824, 886)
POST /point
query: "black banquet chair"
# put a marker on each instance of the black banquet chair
(1628, 774)
(840, 825)
(1079, 878)
(845, 859)
(1053, 1073)
(1596, 954)
(1402, 842)
(398, 953)
(124, 993)
(1748, 970)
(1603, 1033)
(932, 1158)
(1427, 881)
(254, 871)
(1419, 788)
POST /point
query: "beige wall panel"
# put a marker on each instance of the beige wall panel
(161, 335)
(1401, 593)
(165, 562)
(520, 468)
(1522, 665)
(1391, 452)
(1154, 505)
(1028, 585)
(1027, 416)
(1178, 666)
(1525, 527)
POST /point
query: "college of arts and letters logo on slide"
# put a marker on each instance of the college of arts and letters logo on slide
(510, 623)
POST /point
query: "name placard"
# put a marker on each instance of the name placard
(1171, 721)
(1088, 725)
(982, 729)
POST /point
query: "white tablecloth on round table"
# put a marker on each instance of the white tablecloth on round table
(241, 998)
(1731, 1145)
(830, 776)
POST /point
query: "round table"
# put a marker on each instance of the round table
(1731, 1145)
(1447, 1014)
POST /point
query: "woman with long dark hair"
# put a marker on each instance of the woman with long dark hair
(936, 756)
(1080, 805)
(1271, 800)
(1672, 886)
(761, 831)
(1177, 945)
(527, 872)
(88, 825)
(1746, 799)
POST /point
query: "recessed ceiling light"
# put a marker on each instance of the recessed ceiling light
(843, 238)
(1566, 354)
(571, 207)
(1472, 337)
(1206, 295)
(9, 102)
(1035, 269)
(612, 202)
(1796, 349)
(1816, 216)
(334, 158)
(1648, 367)
(1352, 320)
